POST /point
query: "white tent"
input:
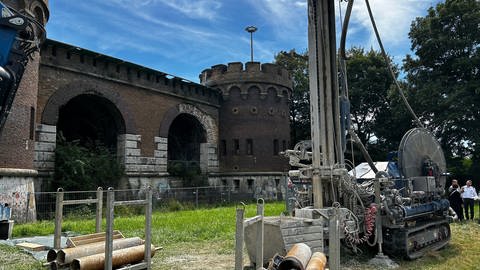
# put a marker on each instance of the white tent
(363, 170)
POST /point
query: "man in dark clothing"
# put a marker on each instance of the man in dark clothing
(455, 199)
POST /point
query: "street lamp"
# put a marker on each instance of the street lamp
(251, 29)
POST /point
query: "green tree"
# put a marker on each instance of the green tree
(444, 74)
(297, 65)
(378, 115)
(371, 96)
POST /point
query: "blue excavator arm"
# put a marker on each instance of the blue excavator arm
(20, 36)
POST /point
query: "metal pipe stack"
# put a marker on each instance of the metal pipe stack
(300, 257)
(92, 255)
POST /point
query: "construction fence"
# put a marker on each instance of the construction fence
(41, 205)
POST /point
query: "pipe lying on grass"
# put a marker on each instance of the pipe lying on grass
(52, 255)
(119, 257)
(67, 255)
(317, 262)
(297, 258)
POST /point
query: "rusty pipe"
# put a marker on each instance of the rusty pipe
(119, 257)
(51, 255)
(67, 255)
(297, 258)
(317, 262)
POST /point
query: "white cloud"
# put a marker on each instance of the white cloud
(288, 18)
(302, 4)
(199, 9)
(393, 19)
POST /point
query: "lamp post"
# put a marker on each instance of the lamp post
(251, 30)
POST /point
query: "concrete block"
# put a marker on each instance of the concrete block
(160, 154)
(162, 146)
(45, 146)
(131, 168)
(44, 156)
(44, 165)
(131, 160)
(147, 161)
(133, 137)
(47, 137)
(47, 128)
(162, 161)
(213, 163)
(147, 168)
(131, 144)
(161, 168)
(161, 140)
(132, 152)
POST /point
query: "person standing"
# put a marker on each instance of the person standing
(455, 199)
(468, 194)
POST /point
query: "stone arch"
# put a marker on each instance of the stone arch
(91, 120)
(40, 10)
(62, 96)
(233, 87)
(286, 94)
(205, 120)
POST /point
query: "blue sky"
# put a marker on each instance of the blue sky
(183, 37)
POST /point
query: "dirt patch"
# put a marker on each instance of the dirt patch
(196, 256)
(220, 256)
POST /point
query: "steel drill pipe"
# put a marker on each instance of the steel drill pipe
(67, 255)
(297, 258)
(119, 257)
(317, 262)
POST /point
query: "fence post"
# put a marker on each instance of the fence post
(239, 238)
(196, 197)
(109, 232)
(58, 219)
(98, 215)
(148, 228)
(259, 249)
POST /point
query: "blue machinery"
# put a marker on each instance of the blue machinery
(20, 36)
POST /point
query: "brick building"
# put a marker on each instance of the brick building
(232, 125)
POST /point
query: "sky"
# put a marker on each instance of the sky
(184, 37)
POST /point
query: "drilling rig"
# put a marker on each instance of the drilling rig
(401, 212)
(411, 215)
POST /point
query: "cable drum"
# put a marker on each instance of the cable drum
(417, 146)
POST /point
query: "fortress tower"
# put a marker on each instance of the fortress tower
(17, 138)
(253, 125)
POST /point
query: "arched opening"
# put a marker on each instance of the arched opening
(86, 150)
(39, 15)
(92, 121)
(185, 137)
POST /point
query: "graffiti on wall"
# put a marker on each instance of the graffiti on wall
(18, 193)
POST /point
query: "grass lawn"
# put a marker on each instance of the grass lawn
(204, 239)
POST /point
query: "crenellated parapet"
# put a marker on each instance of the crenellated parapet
(253, 76)
(78, 60)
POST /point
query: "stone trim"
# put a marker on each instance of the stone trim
(129, 154)
(45, 144)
